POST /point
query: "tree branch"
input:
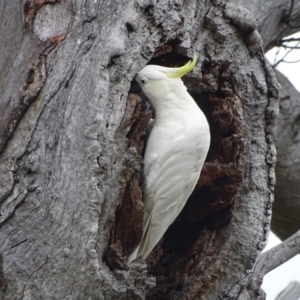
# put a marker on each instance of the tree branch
(286, 207)
(286, 54)
(288, 18)
(290, 40)
(289, 62)
(270, 260)
(291, 292)
(276, 256)
(291, 8)
(289, 47)
(282, 14)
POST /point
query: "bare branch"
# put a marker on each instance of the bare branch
(291, 292)
(292, 26)
(291, 9)
(276, 55)
(289, 40)
(289, 47)
(284, 42)
(278, 255)
(271, 259)
(291, 62)
(286, 54)
(288, 19)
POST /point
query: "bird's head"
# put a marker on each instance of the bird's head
(156, 81)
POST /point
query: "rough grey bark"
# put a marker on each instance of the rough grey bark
(72, 125)
(276, 18)
(273, 25)
(291, 292)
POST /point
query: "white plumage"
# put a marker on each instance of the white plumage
(175, 153)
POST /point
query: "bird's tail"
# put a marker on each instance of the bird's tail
(137, 250)
(133, 255)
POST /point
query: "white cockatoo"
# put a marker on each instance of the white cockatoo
(175, 153)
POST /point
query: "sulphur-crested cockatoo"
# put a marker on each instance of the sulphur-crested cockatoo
(175, 153)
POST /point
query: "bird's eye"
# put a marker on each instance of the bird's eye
(143, 81)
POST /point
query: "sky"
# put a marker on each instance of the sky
(275, 281)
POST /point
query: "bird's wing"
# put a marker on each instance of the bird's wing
(171, 179)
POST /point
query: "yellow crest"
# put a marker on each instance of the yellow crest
(179, 72)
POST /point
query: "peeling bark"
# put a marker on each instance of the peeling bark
(75, 151)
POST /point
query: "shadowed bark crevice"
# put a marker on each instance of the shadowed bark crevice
(128, 228)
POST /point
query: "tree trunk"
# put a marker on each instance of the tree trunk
(291, 292)
(72, 127)
(286, 211)
(276, 20)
